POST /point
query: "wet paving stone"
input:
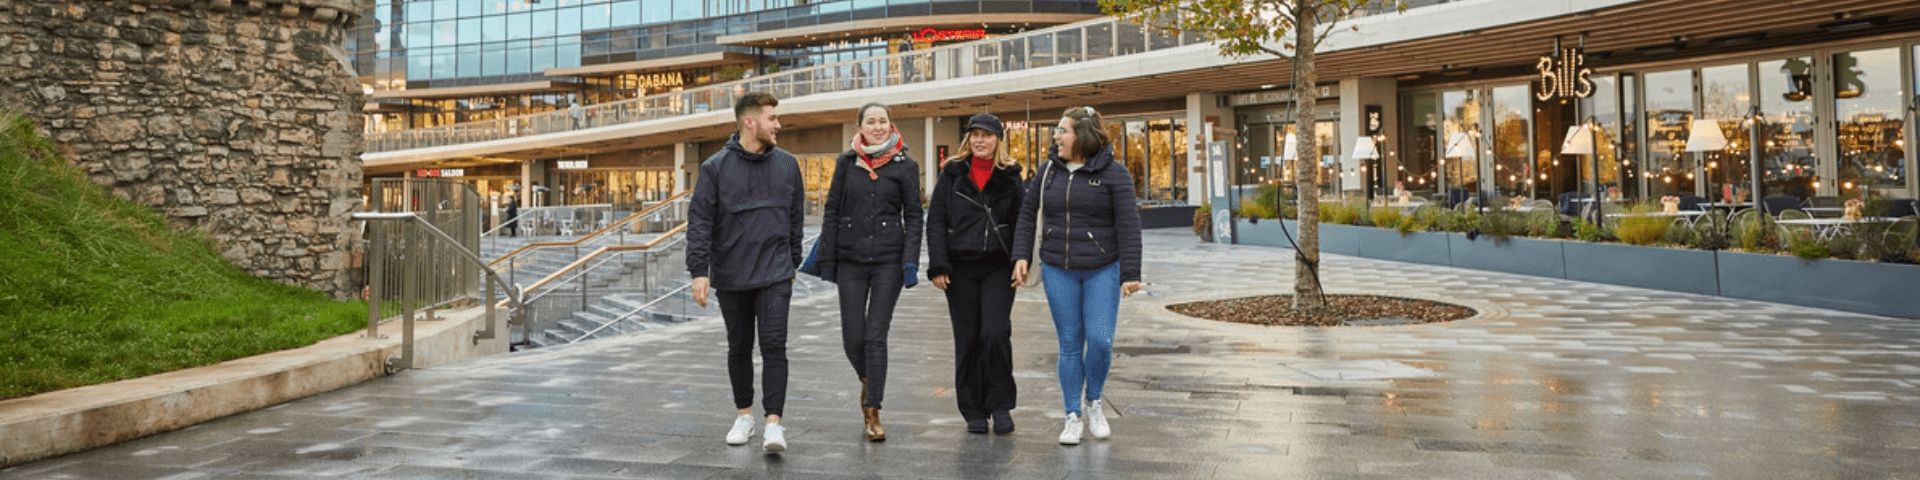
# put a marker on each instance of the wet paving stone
(1554, 379)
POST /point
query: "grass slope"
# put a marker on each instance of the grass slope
(94, 288)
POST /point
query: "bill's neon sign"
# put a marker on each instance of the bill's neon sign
(931, 34)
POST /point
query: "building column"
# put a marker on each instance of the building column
(683, 166)
(1206, 110)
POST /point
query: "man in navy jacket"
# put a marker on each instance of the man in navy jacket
(743, 241)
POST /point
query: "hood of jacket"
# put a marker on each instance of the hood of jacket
(741, 152)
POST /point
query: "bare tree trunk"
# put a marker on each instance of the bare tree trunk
(1306, 273)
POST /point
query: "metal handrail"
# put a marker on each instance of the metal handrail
(516, 309)
(630, 313)
(596, 234)
(669, 234)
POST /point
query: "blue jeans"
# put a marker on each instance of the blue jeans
(1085, 305)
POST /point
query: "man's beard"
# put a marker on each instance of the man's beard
(766, 139)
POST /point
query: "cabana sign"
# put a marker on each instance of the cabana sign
(931, 34)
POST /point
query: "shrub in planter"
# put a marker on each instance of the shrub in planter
(1502, 223)
(1804, 244)
(1642, 230)
(1387, 217)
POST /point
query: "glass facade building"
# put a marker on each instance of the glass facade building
(466, 60)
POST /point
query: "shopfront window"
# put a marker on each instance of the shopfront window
(1786, 130)
(1868, 101)
(1604, 106)
(1513, 153)
(1418, 144)
(1669, 109)
(1725, 98)
(1463, 153)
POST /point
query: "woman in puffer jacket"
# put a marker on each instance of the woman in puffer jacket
(870, 247)
(970, 217)
(1089, 256)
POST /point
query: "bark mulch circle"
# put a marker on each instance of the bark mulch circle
(1341, 310)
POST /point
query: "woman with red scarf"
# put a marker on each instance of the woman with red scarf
(870, 246)
(970, 218)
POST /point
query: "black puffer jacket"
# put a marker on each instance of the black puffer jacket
(869, 220)
(744, 220)
(1091, 219)
(969, 224)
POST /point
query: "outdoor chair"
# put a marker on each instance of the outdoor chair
(1691, 202)
(1780, 203)
(1901, 208)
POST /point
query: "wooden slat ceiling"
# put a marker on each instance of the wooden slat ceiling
(1611, 37)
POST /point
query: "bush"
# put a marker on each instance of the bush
(1643, 230)
(1804, 244)
(1387, 217)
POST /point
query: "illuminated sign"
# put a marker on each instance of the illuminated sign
(453, 172)
(931, 34)
(426, 173)
(1565, 76)
(439, 172)
(571, 164)
(1017, 125)
(659, 80)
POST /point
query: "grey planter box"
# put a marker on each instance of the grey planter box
(1167, 217)
(1517, 255)
(1659, 268)
(1265, 233)
(1389, 244)
(1875, 288)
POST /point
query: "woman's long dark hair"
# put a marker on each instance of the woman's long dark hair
(1089, 133)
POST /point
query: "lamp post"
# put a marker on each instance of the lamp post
(1367, 151)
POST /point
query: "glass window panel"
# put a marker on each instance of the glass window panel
(1419, 149)
(1604, 105)
(469, 62)
(1067, 45)
(495, 62)
(1043, 53)
(1513, 151)
(686, 9)
(626, 13)
(1868, 105)
(597, 16)
(418, 11)
(472, 8)
(445, 10)
(542, 58)
(517, 57)
(1099, 41)
(519, 26)
(1669, 110)
(443, 64)
(1725, 97)
(493, 28)
(418, 35)
(420, 65)
(469, 31)
(569, 19)
(567, 55)
(1132, 146)
(544, 23)
(1129, 37)
(656, 11)
(1629, 144)
(1786, 131)
(446, 33)
(1463, 152)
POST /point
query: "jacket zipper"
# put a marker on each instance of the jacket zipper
(1096, 243)
(1067, 258)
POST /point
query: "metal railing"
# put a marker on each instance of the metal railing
(649, 221)
(638, 269)
(421, 258)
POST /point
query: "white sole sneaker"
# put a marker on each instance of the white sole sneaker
(1070, 434)
(1097, 421)
(742, 430)
(776, 438)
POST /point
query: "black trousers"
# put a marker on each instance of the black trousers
(761, 311)
(868, 292)
(980, 299)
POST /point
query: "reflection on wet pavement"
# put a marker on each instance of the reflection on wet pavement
(1553, 379)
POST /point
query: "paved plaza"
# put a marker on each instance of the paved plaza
(1553, 379)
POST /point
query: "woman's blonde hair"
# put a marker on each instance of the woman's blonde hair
(1000, 158)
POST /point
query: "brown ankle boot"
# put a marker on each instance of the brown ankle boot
(874, 432)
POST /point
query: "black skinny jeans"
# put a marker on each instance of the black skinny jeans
(980, 299)
(761, 311)
(868, 292)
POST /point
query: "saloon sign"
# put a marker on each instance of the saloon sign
(1565, 75)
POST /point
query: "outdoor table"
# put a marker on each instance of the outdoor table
(1833, 227)
(1825, 211)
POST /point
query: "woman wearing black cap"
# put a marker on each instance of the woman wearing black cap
(973, 207)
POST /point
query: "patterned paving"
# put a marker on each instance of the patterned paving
(1554, 379)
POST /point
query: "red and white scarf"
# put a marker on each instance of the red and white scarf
(873, 156)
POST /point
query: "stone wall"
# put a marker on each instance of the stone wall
(238, 118)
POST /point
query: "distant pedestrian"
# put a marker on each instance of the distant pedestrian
(743, 241)
(870, 248)
(579, 117)
(972, 210)
(1089, 255)
(513, 217)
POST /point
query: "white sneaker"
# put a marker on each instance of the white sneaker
(1070, 435)
(776, 438)
(742, 430)
(1097, 421)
